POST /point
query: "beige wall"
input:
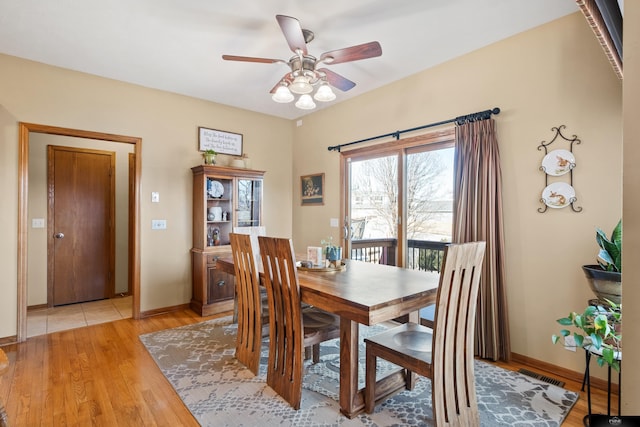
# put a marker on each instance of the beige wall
(631, 211)
(167, 123)
(554, 75)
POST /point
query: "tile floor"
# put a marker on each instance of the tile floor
(47, 320)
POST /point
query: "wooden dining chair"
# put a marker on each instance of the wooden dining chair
(252, 309)
(291, 328)
(445, 353)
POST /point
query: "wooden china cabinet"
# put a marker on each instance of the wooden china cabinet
(223, 198)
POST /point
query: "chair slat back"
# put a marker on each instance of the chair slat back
(249, 339)
(453, 359)
(284, 371)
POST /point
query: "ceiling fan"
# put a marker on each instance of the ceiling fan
(305, 74)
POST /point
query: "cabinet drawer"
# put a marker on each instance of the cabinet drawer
(221, 285)
(211, 259)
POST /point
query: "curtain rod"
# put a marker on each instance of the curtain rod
(481, 115)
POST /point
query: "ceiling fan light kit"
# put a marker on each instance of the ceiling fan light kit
(305, 102)
(324, 93)
(282, 94)
(301, 86)
(304, 73)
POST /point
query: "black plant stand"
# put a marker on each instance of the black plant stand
(589, 351)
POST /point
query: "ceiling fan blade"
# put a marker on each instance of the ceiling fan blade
(293, 33)
(251, 59)
(336, 80)
(353, 53)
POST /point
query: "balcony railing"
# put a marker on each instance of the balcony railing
(377, 251)
(423, 255)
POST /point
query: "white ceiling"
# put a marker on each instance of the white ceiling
(176, 45)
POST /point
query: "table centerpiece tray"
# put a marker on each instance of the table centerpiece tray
(302, 266)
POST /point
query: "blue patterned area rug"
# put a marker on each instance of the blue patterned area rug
(198, 360)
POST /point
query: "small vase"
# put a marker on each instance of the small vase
(209, 159)
(334, 253)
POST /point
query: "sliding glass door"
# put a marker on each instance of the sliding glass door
(373, 190)
(429, 201)
(398, 202)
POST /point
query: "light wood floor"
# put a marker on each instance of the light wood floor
(103, 375)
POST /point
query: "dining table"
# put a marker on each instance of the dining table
(362, 293)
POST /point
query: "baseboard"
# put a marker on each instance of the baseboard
(163, 310)
(563, 372)
(8, 340)
(37, 307)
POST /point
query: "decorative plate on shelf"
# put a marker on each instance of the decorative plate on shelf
(558, 162)
(216, 189)
(558, 195)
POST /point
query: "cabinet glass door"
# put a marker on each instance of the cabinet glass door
(249, 201)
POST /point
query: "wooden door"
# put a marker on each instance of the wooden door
(80, 217)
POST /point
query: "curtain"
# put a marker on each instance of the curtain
(478, 216)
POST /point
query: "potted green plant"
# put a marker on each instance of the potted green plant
(605, 277)
(209, 157)
(331, 251)
(597, 326)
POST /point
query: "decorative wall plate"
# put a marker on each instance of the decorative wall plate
(558, 195)
(558, 162)
(216, 189)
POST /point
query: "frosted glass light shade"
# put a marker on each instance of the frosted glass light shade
(305, 102)
(324, 94)
(300, 85)
(282, 95)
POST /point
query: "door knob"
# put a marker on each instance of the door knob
(58, 235)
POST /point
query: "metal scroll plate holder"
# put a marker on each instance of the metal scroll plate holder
(558, 164)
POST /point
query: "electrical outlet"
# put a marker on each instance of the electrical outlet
(333, 222)
(158, 224)
(37, 223)
(570, 343)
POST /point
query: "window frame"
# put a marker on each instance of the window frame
(435, 140)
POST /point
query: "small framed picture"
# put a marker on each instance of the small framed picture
(314, 254)
(312, 189)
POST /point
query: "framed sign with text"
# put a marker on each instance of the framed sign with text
(220, 141)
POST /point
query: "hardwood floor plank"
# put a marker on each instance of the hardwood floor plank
(103, 375)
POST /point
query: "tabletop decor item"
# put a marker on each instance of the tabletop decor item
(314, 255)
(307, 266)
(332, 253)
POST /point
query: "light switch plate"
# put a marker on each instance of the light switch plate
(158, 224)
(155, 197)
(333, 222)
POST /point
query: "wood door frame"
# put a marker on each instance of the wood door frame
(23, 193)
